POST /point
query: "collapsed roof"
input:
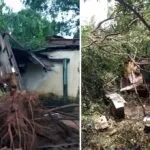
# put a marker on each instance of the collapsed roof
(22, 56)
(55, 43)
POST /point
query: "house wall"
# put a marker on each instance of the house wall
(52, 81)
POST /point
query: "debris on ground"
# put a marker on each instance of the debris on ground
(117, 105)
(147, 123)
(26, 126)
(128, 118)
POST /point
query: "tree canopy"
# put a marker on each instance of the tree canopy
(29, 28)
(39, 19)
(67, 11)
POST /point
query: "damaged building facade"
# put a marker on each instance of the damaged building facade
(52, 69)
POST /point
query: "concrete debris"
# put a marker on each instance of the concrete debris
(96, 122)
(101, 123)
(146, 121)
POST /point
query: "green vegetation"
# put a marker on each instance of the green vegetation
(124, 34)
(50, 99)
(39, 19)
(104, 48)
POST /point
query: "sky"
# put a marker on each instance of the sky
(15, 5)
(93, 9)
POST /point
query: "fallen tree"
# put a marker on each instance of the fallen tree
(25, 125)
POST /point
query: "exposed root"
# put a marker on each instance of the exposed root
(19, 127)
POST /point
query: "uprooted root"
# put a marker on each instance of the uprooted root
(23, 123)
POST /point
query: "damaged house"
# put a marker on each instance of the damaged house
(52, 69)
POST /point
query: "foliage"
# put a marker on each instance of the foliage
(65, 13)
(40, 19)
(131, 13)
(2, 15)
(50, 99)
(121, 36)
(107, 46)
(29, 28)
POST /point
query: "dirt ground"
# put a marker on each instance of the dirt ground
(123, 134)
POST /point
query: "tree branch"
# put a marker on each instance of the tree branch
(123, 3)
(62, 107)
(108, 35)
(100, 23)
(91, 43)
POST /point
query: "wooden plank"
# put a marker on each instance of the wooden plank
(12, 61)
(4, 59)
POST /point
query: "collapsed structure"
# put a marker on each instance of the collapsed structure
(54, 68)
(25, 125)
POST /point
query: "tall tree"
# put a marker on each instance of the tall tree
(29, 28)
(65, 12)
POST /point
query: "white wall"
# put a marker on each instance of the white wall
(36, 79)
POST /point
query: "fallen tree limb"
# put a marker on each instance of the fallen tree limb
(68, 114)
(62, 107)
